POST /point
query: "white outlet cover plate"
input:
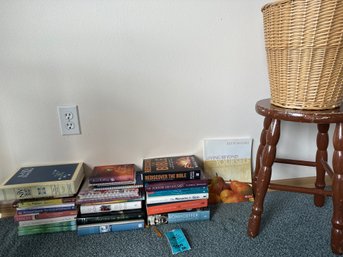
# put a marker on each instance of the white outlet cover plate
(68, 116)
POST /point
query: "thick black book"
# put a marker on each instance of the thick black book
(109, 216)
(185, 167)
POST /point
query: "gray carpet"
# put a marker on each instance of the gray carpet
(292, 226)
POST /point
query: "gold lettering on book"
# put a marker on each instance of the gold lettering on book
(147, 166)
(156, 177)
(162, 164)
(171, 176)
(181, 175)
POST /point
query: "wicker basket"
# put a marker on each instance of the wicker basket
(303, 40)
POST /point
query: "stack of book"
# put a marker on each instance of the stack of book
(44, 197)
(111, 200)
(175, 190)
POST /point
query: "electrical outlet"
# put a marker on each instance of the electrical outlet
(69, 120)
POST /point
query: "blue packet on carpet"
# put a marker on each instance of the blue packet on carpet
(177, 241)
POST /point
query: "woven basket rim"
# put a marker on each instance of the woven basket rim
(275, 3)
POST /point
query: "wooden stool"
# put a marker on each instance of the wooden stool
(266, 156)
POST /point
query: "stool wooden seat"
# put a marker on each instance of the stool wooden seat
(266, 156)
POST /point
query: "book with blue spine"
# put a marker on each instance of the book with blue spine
(61, 180)
(189, 190)
(37, 210)
(99, 228)
(176, 217)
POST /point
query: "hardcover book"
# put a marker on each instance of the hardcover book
(117, 174)
(110, 216)
(171, 168)
(99, 228)
(61, 180)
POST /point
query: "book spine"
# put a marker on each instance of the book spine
(105, 227)
(112, 200)
(40, 210)
(177, 206)
(44, 215)
(50, 225)
(120, 193)
(110, 207)
(46, 221)
(109, 218)
(175, 198)
(22, 231)
(190, 190)
(171, 175)
(170, 185)
(37, 203)
(47, 206)
(177, 217)
(41, 190)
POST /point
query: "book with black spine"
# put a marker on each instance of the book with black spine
(183, 167)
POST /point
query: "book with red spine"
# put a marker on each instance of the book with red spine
(44, 215)
(177, 206)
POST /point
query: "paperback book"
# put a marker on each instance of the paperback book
(47, 228)
(61, 180)
(44, 215)
(227, 162)
(171, 168)
(50, 208)
(176, 217)
(175, 206)
(170, 185)
(106, 186)
(42, 202)
(116, 174)
(176, 198)
(181, 191)
(46, 221)
(108, 206)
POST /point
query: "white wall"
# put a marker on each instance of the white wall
(150, 77)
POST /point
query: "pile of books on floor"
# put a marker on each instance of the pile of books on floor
(175, 190)
(111, 200)
(44, 197)
(45, 215)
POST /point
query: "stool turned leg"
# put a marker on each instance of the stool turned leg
(263, 177)
(337, 191)
(266, 124)
(322, 145)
